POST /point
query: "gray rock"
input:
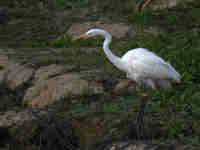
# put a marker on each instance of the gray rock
(18, 75)
(13, 118)
(124, 86)
(14, 74)
(118, 30)
(48, 91)
(142, 145)
(95, 88)
(50, 83)
(162, 4)
(44, 73)
(26, 129)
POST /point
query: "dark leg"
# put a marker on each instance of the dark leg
(140, 128)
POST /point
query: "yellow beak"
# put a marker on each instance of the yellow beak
(82, 36)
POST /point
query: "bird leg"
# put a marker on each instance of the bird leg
(140, 129)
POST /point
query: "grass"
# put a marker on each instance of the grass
(176, 110)
(9, 99)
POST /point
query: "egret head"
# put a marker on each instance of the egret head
(93, 32)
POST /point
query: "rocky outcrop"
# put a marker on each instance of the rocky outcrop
(14, 74)
(32, 128)
(18, 75)
(124, 86)
(48, 91)
(160, 4)
(12, 118)
(118, 30)
(138, 145)
(46, 72)
(45, 85)
(52, 83)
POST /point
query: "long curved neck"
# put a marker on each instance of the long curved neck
(112, 57)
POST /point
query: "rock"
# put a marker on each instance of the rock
(95, 88)
(50, 83)
(118, 30)
(14, 74)
(89, 51)
(142, 145)
(153, 30)
(44, 73)
(3, 61)
(162, 4)
(48, 91)
(92, 74)
(124, 86)
(26, 129)
(18, 75)
(13, 118)
(149, 30)
(129, 145)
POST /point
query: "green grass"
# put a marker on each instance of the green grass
(177, 110)
(9, 99)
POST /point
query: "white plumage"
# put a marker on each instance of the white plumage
(140, 65)
(146, 67)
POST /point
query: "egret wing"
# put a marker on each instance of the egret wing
(146, 64)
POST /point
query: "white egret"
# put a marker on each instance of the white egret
(140, 65)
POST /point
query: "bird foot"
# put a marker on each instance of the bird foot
(145, 95)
